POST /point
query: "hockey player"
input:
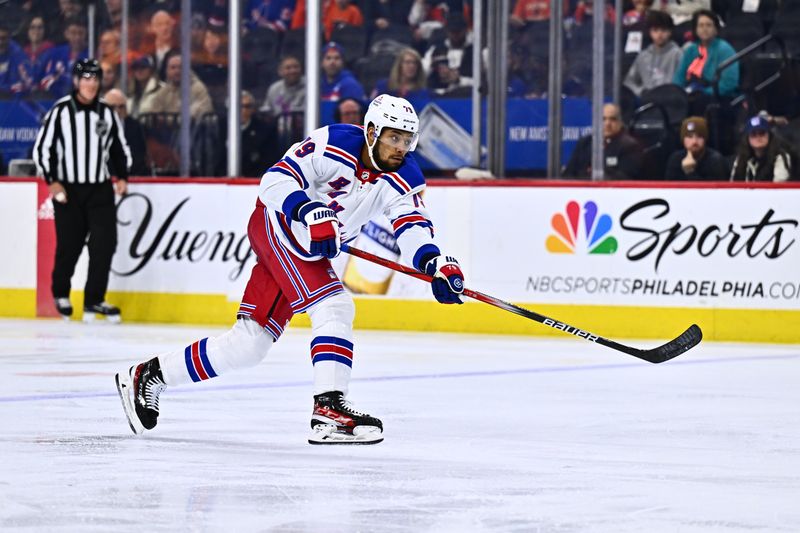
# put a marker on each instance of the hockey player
(320, 194)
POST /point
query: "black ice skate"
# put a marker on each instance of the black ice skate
(139, 390)
(64, 308)
(111, 313)
(334, 421)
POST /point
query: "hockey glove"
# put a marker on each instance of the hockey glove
(448, 280)
(323, 228)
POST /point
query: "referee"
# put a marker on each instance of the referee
(80, 143)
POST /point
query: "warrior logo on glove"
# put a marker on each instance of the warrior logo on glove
(323, 228)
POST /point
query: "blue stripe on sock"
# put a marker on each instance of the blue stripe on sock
(204, 359)
(189, 365)
(332, 357)
(344, 343)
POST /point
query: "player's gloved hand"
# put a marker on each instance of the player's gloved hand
(448, 280)
(323, 228)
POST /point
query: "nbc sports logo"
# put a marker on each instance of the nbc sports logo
(590, 232)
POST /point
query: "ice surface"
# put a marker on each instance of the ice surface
(483, 433)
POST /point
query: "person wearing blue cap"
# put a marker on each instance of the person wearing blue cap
(761, 156)
(337, 82)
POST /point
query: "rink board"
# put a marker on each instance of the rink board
(622, 259)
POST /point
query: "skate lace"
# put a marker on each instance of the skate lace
(152, 391)
(347, 406)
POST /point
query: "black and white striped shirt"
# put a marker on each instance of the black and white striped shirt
(77, 143)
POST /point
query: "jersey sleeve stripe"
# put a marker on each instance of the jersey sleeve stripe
(281, 170)
(299, 178)
(338, 151)
(339, 159)
(297, 169)
(398, 183)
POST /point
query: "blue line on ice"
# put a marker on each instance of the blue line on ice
(408, 377)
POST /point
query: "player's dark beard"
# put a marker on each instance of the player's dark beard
(386, 166)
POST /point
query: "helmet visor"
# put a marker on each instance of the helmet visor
(399, 140)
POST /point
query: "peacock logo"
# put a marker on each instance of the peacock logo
(568, 234)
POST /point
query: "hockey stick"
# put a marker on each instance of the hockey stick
(683, 342)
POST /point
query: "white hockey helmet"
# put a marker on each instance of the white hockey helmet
(387, 111)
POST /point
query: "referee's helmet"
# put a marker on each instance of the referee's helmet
(85, 68)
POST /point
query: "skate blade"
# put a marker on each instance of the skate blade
(123, 388)
(327, 434)
(91, 318)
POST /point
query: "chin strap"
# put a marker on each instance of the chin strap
(369, 152)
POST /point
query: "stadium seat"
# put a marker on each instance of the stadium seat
(372, 68)
(294, 44)
(672, 99)
(400, 34)
(353, 39)
(650, 126)
(743, 29)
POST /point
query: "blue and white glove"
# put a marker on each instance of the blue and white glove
(323, 229)
(448, 280)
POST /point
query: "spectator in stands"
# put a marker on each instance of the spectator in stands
(109, 48)
(349, 111)
(168, 98)
(527, 74)
(761, 155)
(683, 10)
(655, 65)
(638, 14)
(211, 66)
(110, 79)
(68, 10)
(701, 58)
(57, 74)
(273, 14)
(288, 94)
(622, 154)
(457, 47)
(134, 133)
(381, 14)
(37, 46)
(162, 28)
(407, 78)
(114, 10)
(15, 75)
(696, 161)
(584, 12)
(337, 83)
(17, 15)
(443, 77)
(144, 84)
(426, 18)
(341, 12)
(255, 139)
(528, 11)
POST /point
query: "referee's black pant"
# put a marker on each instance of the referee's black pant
(89, 212)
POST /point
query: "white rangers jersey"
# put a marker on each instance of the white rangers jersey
(327, 167)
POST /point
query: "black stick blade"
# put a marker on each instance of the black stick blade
(684, 342)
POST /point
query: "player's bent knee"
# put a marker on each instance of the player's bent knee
(247, 343)
(337, 308)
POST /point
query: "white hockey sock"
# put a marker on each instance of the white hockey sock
(244, 345)
(332, 343)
